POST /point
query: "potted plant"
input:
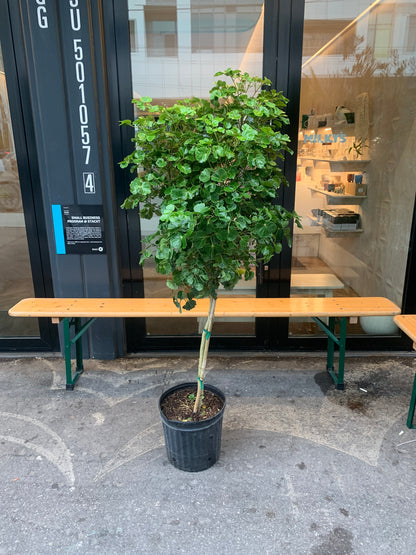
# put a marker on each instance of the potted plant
(357, 148)
(208, 169)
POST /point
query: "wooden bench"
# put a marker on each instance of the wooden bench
(407, 323)
(71, 311)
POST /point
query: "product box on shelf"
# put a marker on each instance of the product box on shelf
(356, 189)
(340, 219)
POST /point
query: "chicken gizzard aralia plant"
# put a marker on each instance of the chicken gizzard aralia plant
(207, 168)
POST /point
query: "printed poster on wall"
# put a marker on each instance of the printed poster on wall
(79, 229)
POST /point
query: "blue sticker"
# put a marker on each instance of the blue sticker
(58, 227)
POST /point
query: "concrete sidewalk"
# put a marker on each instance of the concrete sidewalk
(305, 469)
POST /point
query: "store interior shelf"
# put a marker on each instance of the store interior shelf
(340, 165)
(332, 231)
(337, 198)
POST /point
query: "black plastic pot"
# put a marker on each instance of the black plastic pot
(193, 446)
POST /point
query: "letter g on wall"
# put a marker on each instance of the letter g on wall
(42, 14)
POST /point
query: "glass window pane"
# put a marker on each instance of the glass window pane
(176, 47)
(355, 180)
(15, 274)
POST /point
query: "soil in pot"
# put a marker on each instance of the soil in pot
(192, 444)
(179, 405)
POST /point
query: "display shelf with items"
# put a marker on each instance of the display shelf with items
(340, 220)
(338, 198)
(340, 165)
(333, 164)
(327, 190)
(340, 138)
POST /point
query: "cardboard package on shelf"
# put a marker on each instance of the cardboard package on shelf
(357, 189)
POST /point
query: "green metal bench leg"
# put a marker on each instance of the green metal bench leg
(412, 406)
(67, 347)
(79, 331)
(332, 341)
(330, 346)
(341, 361)
(68, 323)
(78, 346)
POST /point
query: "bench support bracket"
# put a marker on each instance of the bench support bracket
(328, 328)
(333, 340)
(76, 340)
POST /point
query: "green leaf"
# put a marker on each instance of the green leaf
(248, 132)
(220, 174)
(202, 153)
(185, 168)
(218, 151)
(177, 304)
(234, 114)
(260, 161)
(200, 207)
(265, 229)
(161, 163)
(221, 234)
(176, 242)
(205, 175)
(189, 305)
(241, 222)
(167, 211)
(145, 255)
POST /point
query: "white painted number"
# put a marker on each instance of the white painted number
(89, 182)
(78, 49)
(87, 154)
(80, 77)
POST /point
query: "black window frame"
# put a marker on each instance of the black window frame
(28, 166)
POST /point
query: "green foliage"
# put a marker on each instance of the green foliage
(358, 146)
(208, 169)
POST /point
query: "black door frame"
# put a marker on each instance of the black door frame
(23, 131)
(283, 30)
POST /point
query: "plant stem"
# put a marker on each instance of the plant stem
(203, 354)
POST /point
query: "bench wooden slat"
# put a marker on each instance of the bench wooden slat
(407, 323)
(226, 307)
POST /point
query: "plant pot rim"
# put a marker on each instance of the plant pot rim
(191, 424)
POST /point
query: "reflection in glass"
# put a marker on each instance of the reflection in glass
(355, 179)
(15, 277)
(161, 31)
(175, 51)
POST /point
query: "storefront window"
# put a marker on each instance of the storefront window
(15, 273)
(355, 178)
(176, 48)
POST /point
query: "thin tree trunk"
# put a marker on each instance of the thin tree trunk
(203, 354)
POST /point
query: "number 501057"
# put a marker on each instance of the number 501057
(83, 108)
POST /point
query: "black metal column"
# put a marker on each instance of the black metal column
(282, 58)
(68, 90)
